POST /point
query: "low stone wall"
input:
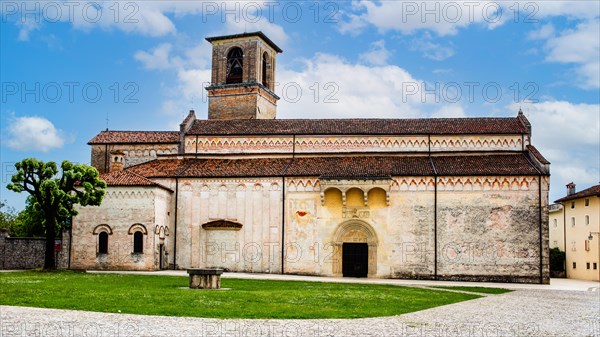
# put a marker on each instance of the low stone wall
(28, 253)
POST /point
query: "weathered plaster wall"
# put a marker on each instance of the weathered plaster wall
(403, 232)
(487, 227)
(255, 203)
(492, 234)
(122, 207)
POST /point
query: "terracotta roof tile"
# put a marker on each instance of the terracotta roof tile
(127, 178)
(339, 167)
(588, 192)
(134, 137)
(359, 126)
(510, 164)
(162, 168)
(263, 167)
(258, 33)
(534, 151)
(360, 167)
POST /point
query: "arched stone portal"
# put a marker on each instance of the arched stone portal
(352, 232)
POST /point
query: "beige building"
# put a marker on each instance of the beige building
(452, 199)
(575, 224)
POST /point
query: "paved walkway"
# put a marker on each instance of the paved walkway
(563, 308)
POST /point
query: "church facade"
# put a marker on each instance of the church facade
(448, 199)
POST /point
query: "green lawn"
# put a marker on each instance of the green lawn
(168, 295)
(481, 290)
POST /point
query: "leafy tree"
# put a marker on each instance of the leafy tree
(55, 194)
(557, 259)
(8, 217)
(29, 222)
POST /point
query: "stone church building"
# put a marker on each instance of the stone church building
(448, 199)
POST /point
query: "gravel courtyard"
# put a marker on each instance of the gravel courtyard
(523, 312)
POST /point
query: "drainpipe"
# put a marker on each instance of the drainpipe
(540, 223)
(70, 243)
(282, 224)
(175, 227)
(565, 236)
(435, 229)
(283, 205)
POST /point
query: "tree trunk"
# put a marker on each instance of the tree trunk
(49, 261)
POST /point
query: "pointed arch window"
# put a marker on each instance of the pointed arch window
(265, 81)
(235, 65)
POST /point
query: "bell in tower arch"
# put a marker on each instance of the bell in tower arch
(243, 77)
(235, 65)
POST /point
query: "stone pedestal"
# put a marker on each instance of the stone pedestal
(208, 278)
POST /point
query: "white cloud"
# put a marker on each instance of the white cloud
(449, 111)
(573, 9)
(26, 27)
(192, 83)
(192, 63)
(325, 86)
(159, 58)
(448, 17)
(441, 17)
(148, 18)
(545, 32)
(193, 73)
(579, 46)
(568, 135)
(431, 50)
(377, 55)
(34, 134)
(332, 87)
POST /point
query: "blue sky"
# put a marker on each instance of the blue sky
(67, 67)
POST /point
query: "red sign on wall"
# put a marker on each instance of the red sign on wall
(57, 244)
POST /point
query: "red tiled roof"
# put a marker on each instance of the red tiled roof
(339, 167)
(420, 126)
(357, 167)
(534, 151)
(162, 168)
(127, 178)
(263, 167)
(135, 137)
(258, 33)
(588, 192)
(513, 164)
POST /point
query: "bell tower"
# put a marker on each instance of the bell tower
(243, 77)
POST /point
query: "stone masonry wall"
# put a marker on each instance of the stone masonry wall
(28, 253)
